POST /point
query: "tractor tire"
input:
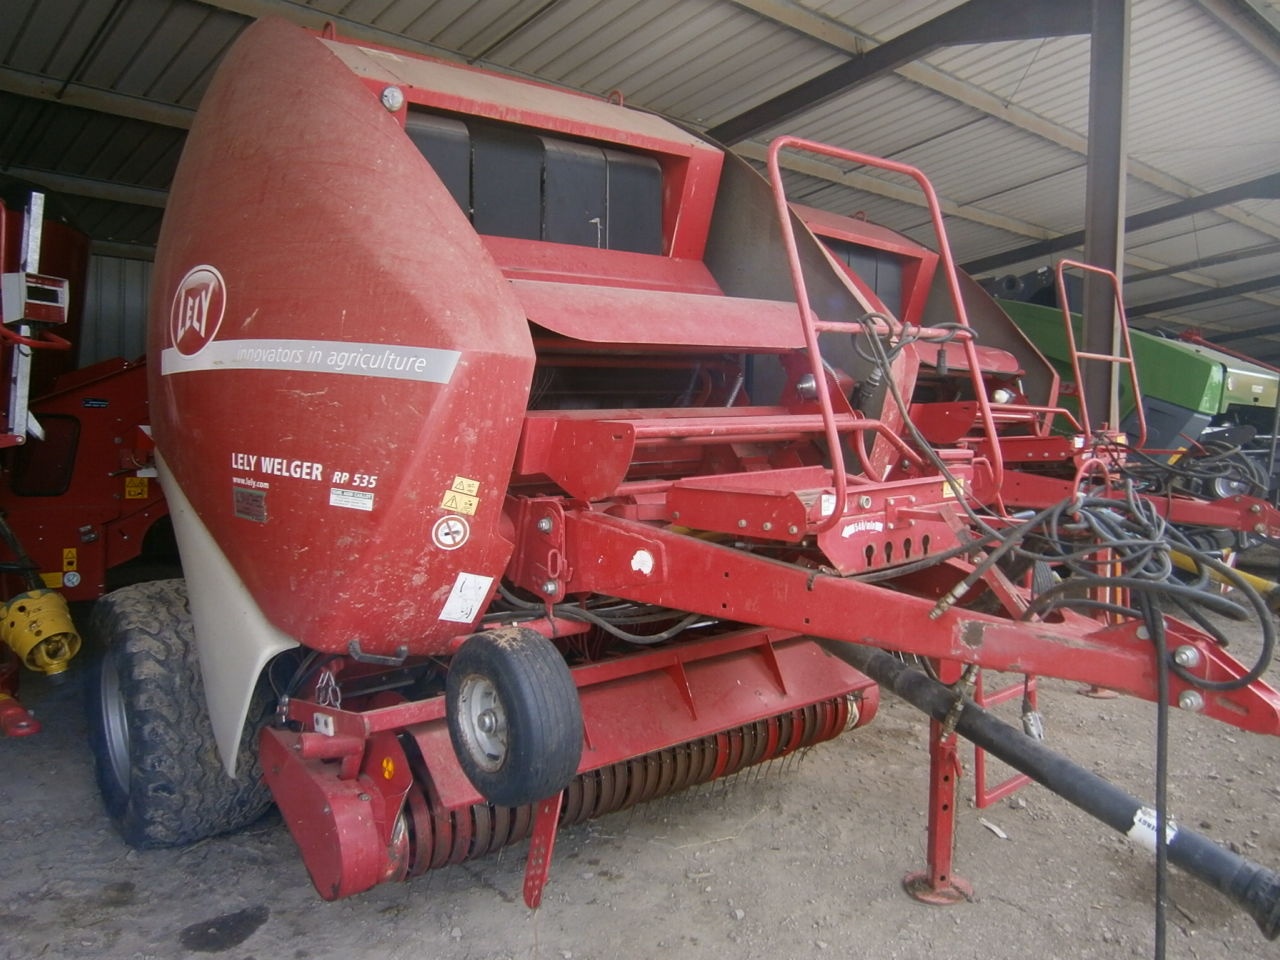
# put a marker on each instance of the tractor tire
(514, 716)
(155, 758)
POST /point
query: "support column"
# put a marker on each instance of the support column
(1105, 198)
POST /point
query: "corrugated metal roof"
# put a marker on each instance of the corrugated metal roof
(1208, 234)
(96, 92)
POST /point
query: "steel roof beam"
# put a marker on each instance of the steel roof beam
(1231, 256)
(1245, 334)
(93, 189)
(1256, 23)
(1205, 296)
(978, 21)
(93, 98)
(122, 251)
(1267, 187)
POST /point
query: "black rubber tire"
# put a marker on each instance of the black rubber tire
(531, 688)
(155, 758)
(1246, 476)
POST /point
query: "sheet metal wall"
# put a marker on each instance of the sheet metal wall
(115, 316)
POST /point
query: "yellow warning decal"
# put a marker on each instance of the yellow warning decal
(953, 488)
(469, 487)
(70, 559)
(460, 503)
(52, 580)
(136, 488)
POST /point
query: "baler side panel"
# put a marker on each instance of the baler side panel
(746, 255)
(360, 401)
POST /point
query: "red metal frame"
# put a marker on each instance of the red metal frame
(1062, 451)
(1122, 330)
(984, 796)
(811, 325)
(15, 719)
(342, 808)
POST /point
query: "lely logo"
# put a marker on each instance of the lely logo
(196, 312)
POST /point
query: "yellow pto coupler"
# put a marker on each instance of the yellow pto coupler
(37, 627)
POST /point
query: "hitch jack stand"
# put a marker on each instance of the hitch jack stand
(937, 884)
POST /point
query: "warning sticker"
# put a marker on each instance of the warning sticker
(136, 488)
(466, 598)
(462, 485)
(449, 533)
(460, 503)
(70, 559)
(351, 499)
(953, 488)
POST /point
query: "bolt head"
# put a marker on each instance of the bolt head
(864, 502)
(545, 525)
(1190, 700)
(742, 524)
(549, 587)
(1186, 656)
(793, 529)
(392, 98)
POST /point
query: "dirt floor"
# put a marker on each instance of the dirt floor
(802, 859)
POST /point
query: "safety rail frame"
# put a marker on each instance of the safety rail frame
(1122, 325)
(812, 326)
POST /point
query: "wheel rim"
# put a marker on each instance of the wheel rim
(115, 724)
(483, 722)
(1223, 487)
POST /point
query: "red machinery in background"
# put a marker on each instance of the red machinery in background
(1047, 449)
(77, 494)
(528, 459)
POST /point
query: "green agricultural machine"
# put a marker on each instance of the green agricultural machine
(1215, 411)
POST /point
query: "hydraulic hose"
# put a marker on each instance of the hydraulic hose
(1253, 887)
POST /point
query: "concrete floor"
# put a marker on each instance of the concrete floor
(803, 860)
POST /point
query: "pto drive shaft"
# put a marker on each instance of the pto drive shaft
(1253, 887)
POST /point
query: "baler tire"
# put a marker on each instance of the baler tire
(525, 681)
(155, 759)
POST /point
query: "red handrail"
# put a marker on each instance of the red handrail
(811, 325)
(1114, 359)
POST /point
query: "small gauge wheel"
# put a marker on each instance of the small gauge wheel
(514, 716)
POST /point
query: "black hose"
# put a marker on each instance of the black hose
(23, 565)
(1251, 886)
